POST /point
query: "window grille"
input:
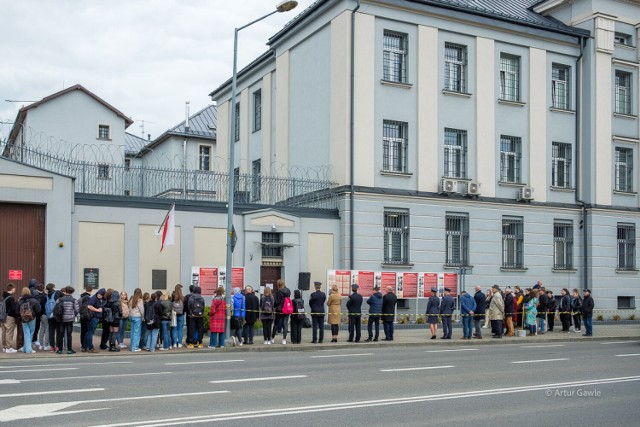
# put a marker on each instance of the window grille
(626, 246)
(509, 78)
(624, 169)
(271, 251)
(395, 57)
(455, 67)
(257, 110)
(510, 158)
(457, 239)
(394, 144)
(455, 153)
(104, 132)
(562, 245)
(623, 93)
(396, 237)
(104, 171)
(256, 180)
(561, 165)
(204, 158)
(560, 88)
(512, 242)
(237, 123)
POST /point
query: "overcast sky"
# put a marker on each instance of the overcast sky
(144, 57)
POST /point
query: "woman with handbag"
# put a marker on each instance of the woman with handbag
(124, 307)
(267, 315)
(177, 331)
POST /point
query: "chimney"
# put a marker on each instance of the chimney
(149, 137)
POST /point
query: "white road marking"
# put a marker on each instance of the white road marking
(63, 364)
(9, 382)
(246, 380)
(446, 351)
(416, 369)
(341, 355)
(540, 360)
(88, 376)
(208, 361)
(210, 418)
(627, 355)
(542, 346)
(41, 410)
(37, 370)
(618, 342)
(38, 393)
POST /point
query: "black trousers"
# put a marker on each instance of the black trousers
(282, 322)
(447, 326)
(247, 332)
(84, 327)
(187, 321)
(388, 329)
(355, 327)
(296, 329)
(197, 326)
(566, 322)
(64, 328)
(551, 318)
(53, 328)
(104, 338)
(266, 329)
(335, 329)
(373, 320)
(496, 326)
(35, 332)
(317, 322)
(577, 320)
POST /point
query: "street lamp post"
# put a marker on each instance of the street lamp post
(283, 6)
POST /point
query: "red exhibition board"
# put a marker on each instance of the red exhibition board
(208, 280)
(365, 280)
(451, 282)
(237, 277)
(410, 285)
(387, 278)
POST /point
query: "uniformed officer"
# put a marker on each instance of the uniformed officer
(446, 312)
(354, 305)
(433, 310)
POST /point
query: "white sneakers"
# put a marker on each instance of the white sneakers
(47, 348)
(136, 350)
(10, 350)
(179, 345)
(284, 341)
(122, 345)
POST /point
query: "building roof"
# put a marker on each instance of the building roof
(133, 144)
(201, 125)
(22, 113)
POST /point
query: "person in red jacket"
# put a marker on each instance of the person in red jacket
(217, 319)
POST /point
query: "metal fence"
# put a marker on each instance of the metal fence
(179, 184)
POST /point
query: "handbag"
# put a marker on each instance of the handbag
(174, 319)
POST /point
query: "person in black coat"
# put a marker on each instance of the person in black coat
(28, 325)
(565, 310)
(509, 309)
(543, 307)
(587, 312)
(252, 307)
(478, 319)
(316, 304)
(447, 306)
(552, 307)
(354, 306)
(389, 301)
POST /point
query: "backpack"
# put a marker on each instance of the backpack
(58, 311)
(149, 315)
(287, 306)
(267, 305)
(3, 310)
(300, 309)
(84, 304)
(178, 307)
(26, 312)
(51, 302)
(197, 307)
(107, 315)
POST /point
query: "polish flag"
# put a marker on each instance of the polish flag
(169, 228)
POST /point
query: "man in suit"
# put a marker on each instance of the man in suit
(447, 305)
(354, 306)
(316, 303)
(389, 301)
(481, 307)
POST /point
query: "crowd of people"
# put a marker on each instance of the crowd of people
(44, 316)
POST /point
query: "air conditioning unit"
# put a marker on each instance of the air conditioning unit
(448, 185)
(525, 194)
(472, 188)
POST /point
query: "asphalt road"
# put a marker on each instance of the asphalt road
(564, 384)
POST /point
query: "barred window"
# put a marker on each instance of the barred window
(455, 153)
(561, 165)
(623, 93)
(256, 180)
(395, 57)
(509, 77)
(510, 157)
(457, 243)
(624, 169)
(394, 146)
(626, 246)
(257, 110)
(104, 171)
(237, 122)
(512, 242)
(563, 245)
(455, 67)
(560, 88)
(271, 249)
(396, 237)
(104, 132)
(204, 158)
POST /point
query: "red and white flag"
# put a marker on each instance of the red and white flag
(168, 228)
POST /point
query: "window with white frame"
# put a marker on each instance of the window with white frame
(104, 131)
(509, 78)
(204, 157)
(560, 86)
(623, 39)
(562, 245)
(626, 246)
(561, 165)
(256, 180)
(455, 153)
(394, 67)
(257, 110)
(624, 169)
(394, 146)
(512, 242)
(237, 123)
(457, 239)
(510, 158)
(396, 237)
(623, 93)
(455, 67)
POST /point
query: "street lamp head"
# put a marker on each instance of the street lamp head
(286, 6)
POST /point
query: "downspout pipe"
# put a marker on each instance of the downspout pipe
(579, 201)
(351, 137)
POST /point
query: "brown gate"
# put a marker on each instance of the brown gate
(21, 243)
(270, 275)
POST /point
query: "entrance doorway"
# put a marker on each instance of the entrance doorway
(270, 275)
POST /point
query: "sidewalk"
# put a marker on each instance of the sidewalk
(402, 338)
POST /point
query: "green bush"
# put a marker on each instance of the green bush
(616, 317)
(421, 320)
(600, 317)
(632, 317)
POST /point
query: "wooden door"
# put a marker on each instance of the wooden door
(270, 275)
